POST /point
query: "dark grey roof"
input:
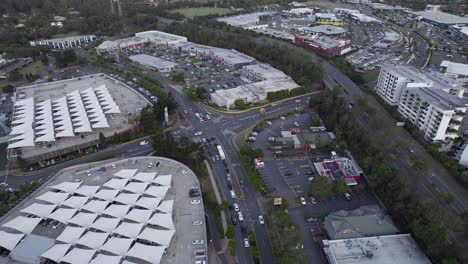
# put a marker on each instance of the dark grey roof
(32, 247)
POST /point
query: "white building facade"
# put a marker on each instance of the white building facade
(64, 43)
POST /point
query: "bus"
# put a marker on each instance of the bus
(221, 152)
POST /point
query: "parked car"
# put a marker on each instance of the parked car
(197, 242)
(236, 207)
(347, 196)
(303, 200)
(199, 133)
(240, 216)
(261, 220)
(234, 220)
(244, 229)
(246, 242)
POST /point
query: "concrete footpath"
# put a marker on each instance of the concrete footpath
(217, 195)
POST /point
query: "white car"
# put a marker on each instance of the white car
(236, 207)
(240, 216)
(184, 171)
(283, 118)
(246, 242)
(233, 194)
(197, 242)
(203, 140)
(269, 123)
(150, 165)
(196, 223)
(254, 134)
(199, 133)
(296, 124)
(298, 101)
(303, 201)
(144, 143)
(252, 139)
(113, 165)
(88, 173)
(261, 220)
(195, 202)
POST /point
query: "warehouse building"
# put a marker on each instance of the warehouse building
(130, 212)
(364, 18)
(434, 16)
(64, 43)
(154, 63)
(247, 21)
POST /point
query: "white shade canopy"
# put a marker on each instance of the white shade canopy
(84, 219)
(9, 240)
(117, 245)
(145, 176)
(87, 190)
(166, 206)
(126, 174)
(23, 224)
(105, 99)
(22, 124)
(127, 198)
(93, 108)
(157, 191)
(136, 187)
(106, 224)
(164, 180)
(117, 184)
(139, 215)
(71, 234)
(62, 119)
(161, 237)
(76, 202)
(106, 195)
(68, 187)
(148, 202)
(41, 210)
(78, 113)
(151, 254)
(117, 210)
(63, 215)
(128, 262)
(79, 256)
(53, 197)
(129, 230)
(44, 122)
(93, 240)
(56, 252)
(106, 259)
(162, 220)
(95, 206)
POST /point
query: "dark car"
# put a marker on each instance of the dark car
(229, 186)
(194, 193)
(309, 172)
(233, 220)
(258, 130)
(244, 229)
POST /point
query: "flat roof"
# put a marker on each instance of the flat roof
(265, 71)
(68, 39)
(455, 68)
(326, 29)
(390, 249)
(441, 17)
(152, 61)
(325, 41)
(244, 19)
(440, 98)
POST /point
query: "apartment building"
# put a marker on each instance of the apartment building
(64, 43)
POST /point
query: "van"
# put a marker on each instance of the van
(233, 194)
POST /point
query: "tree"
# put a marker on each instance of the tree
(102, 140)
(200, 92)
(240, 104)
(65, 58)
(178, 77)
(14, 76)
(322, 187)
(230, 231)
(340, 187)
(8, 88)
(315, 122)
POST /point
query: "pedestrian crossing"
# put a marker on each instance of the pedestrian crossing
(4, 172)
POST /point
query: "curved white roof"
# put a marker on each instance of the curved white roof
(78, 113)
(106, 224)
(76, 202)
(41, 210)
(68, 187)
(44, 122)
(117, 210)
(129, 230)
(127, 198)
(139, 215)
(161, 237)
(136, 187)
(117, 184)
(93, 240)
(107, 195)
(107, 259)
(87, 190)
(157, 191)
(126, 174)
(166, 206)
(162, 220)
(71, 234)
(145, 176)
(9, 240)
(148, 202)
(62, 119)
(22, 124)
(84, 219)
(53, 197)
(79, 256)
(164, 180)
(117, 245)
(23, 224)
(56, 252)
(63, 215)
(95, 206)
(151, 254)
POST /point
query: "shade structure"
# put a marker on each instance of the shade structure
(139, 215)
(127, 198)
(41, 210)
(96, 206)
(166, 206)
(63, 215)
(79, 256)
(106, 195)
(164, 180)
(162, 220)
(118, 245)
(22, 124)
(151, 254)
(76, 202)
(53, 197)
(84, 219)
(161, 237)
(87, 190)
(129, 230)
(68, 187)
(62, 120)
(9, 240)
(116, 184)
(106, 224)
(126, 174)
(117, 210)
(93, 240)
(157, 191)
(71, 234)
(136, 187)
(148, 202)
(128, 262)
(106, 259)
(56, 252)
(23, 224)
(145, 176)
